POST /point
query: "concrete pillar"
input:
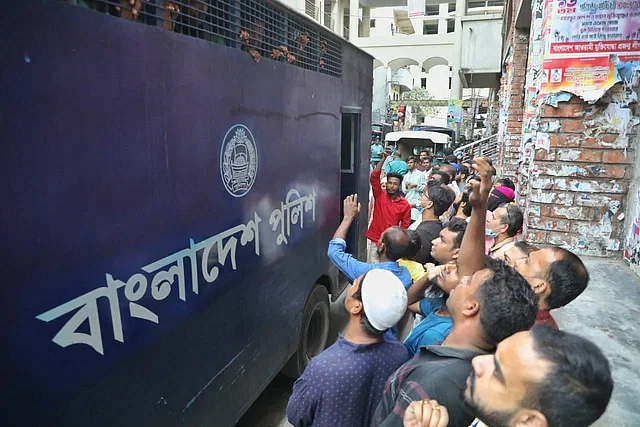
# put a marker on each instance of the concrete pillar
(366, 22)
(335, 13)
(443, 11)
(456, 84)
(354, 12)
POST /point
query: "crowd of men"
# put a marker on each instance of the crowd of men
(444, 247)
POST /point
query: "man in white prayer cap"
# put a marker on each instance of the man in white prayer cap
(343, 385)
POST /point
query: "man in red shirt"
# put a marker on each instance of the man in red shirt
(389, 209)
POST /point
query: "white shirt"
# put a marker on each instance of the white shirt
(413, 194)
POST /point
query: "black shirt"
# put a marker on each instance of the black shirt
(436, 372)
(428, 230)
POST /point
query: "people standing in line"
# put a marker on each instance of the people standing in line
(413, 184)
(506, 224)
(389, 209)
(343, 385)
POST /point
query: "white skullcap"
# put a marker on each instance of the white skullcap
(384, 298)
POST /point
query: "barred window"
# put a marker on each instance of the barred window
(262, 28)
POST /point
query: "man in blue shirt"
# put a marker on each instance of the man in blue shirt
(437, 324)
(376, 152)
(343, 385)
(392, 246)
(397, 165)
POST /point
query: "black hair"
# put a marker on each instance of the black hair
(525, 247)
(367, 327)
(506, 182)
(567, 277)
(394, 175)
(514, 218)
(396, 242)
(447, 151)
(415, 244)
(412, 158)
(441, 197)
(464, 198)
(452, 170)
(424, 151)
(451, 158)
(464, 171)
(444, 177)
(429, 158)
(577, 387)
(457, 225)
(508, 303)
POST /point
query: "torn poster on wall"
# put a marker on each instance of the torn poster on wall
(632, 248)
(591, 46)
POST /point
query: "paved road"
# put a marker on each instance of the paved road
(608, 313)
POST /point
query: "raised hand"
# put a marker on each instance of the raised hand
(480, 193)
(351, 206)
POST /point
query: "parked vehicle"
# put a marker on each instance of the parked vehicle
(172, 178)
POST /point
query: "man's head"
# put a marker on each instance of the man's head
(497, 299)
(449, 170)
(393, 244)
(463, 207)
(507, 220)
(463, 174)
(556, 275)
(394, 183)
(440, 176)
(447, 151)
(415, 244)
(377, 300)
(411, 163)
(446, 246)
(451, 159)
(423, 155)
(436, 197)
(506, 182)
(427, 162)
(540, 378)
(517, 253)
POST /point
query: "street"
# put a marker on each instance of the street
(613, 334)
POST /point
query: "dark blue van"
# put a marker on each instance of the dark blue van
(172, 172)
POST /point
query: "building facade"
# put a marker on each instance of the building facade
(568, 123)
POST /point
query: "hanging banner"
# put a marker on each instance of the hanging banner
(592, 45)
(416, 8)
(454, 111)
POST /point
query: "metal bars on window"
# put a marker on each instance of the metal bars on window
(262, 28)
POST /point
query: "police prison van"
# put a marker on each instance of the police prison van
(172, 174)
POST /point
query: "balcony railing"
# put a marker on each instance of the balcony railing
(486, 147)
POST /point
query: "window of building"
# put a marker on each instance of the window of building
(430, 27)
(372, 23)
(450, 76)
(451, 25)
(423, 82)
(431, 9)
(452, 7)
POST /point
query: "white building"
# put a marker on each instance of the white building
(449, 47)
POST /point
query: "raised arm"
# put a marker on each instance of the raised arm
(471, 256)
(374, 179)
(351, 210)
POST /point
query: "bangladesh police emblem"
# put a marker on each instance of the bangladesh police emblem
(238, 160)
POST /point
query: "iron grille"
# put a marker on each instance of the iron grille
(261, 28)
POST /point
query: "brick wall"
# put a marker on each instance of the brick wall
(578, 186)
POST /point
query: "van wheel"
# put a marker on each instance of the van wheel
(314, 330)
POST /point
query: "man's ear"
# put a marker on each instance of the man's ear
(540, 287)
(529, 418)
(355, 308)
(471, 307)
(456, 252)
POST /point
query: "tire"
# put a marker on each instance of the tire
(313, 333)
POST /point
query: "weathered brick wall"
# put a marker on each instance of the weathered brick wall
(578, 186)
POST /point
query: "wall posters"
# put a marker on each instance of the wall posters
(590, 44)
